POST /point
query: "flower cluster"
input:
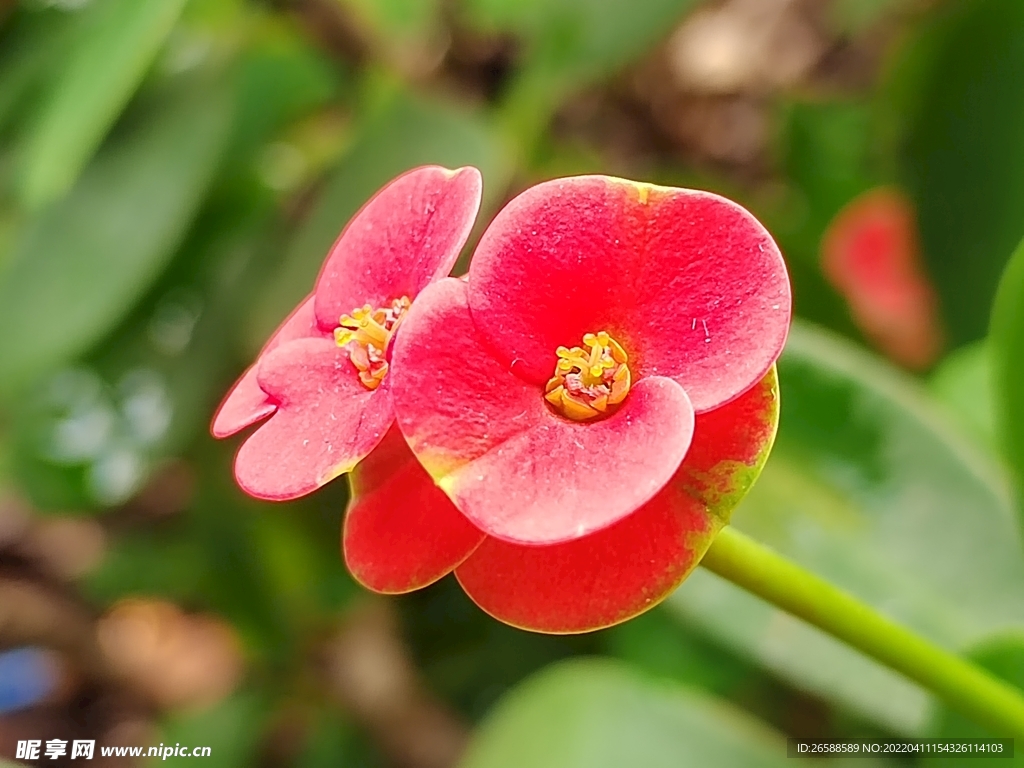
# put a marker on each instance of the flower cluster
(566, 428)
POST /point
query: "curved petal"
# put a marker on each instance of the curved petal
(246, 403)
(623, 570)
(593, 582)
(326, 421)
(401, 532)
(517, 470)
(408, 235)
(688, 282)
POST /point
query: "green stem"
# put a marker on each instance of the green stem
(965, 687)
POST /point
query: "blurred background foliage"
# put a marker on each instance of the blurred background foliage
(172, 173)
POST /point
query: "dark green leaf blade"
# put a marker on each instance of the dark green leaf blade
(964, 159)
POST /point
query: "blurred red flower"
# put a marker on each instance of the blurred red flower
(870, 255)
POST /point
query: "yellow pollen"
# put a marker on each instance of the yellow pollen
(367, 333)
(589, 381)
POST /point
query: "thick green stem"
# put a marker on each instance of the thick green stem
(964, 686)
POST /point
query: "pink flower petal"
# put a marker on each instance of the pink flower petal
(401, 532)
(326, 421)
(629, 567)
(688, 282)
(246, 403)
(516, 469)
(409, 234)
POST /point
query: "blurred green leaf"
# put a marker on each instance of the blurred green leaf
(232, 729)
(827, 155)
(596, 713)
(281, 78)
(273, 573)
(1003, 656)
(400, 18)
(32, 47)
(81, 264)
(89, 435)
(238, 584)
(568, 44)
(401, 133)
(167, 563)
(469, 658)
(965, 155)
(575, 41)
(1007, 345)
(404, 33)
(161, 373)
(870, 489)
(856, 16)
(656, 643)
(334, 742)
(116, 45)
(963, 383)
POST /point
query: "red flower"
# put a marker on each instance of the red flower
(571, 459)
(322, 378)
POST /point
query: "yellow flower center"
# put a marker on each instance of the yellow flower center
(367, 333)
(589, 381)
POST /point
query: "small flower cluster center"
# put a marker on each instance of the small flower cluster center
(589, 381)
(367, 333)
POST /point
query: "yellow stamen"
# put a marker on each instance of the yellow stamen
(367, 333)
(589, 382)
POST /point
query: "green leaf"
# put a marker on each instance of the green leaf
(575, 41)
(1007, 345)
(232, 729)
(397, 18)
(870, 488)
(32, 47)
(657, 644)
(1003, 656)
(569, 44)
(965, 155)
(855, 17)
(81, 264)
(963, 383)
(150, 387)
(405, 33)
(168, 564)
(597, 713)
(118, 42)
(400, 134)
(332, 741)
(281, 77)
(826, 148)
